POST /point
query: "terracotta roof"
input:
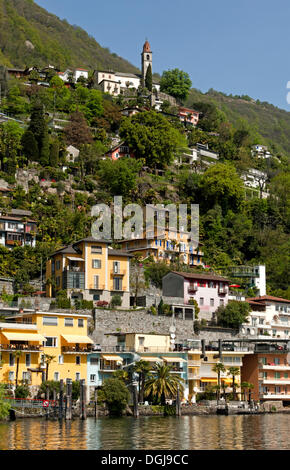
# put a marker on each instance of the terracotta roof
(213, 277)
(146, 47)
(269, 298)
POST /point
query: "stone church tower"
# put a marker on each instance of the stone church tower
(146, 59)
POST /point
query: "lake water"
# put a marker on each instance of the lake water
(170, 433)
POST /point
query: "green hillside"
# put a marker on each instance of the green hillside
(29, 35)
(272, 123)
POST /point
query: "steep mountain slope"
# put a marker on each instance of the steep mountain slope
(272, 123)
(29, 35)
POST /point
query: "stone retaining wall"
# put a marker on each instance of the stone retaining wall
(139, 321)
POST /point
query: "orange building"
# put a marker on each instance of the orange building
(268, 369)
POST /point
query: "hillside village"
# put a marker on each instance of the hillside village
(81, 308)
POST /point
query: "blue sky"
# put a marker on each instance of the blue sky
(235, 47)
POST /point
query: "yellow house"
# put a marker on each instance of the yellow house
(91, 270)
(39, 346)
(168, 247)
(201, 374)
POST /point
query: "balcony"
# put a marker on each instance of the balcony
(14, 242)
(110, 367)
(97, 286)
(275, 396)
(192, 288)
(191, 376)
(76, 350)
(20, 347)
(222, 290)
(192, 363)
(277, 367)
(274, 381)
(118, 273)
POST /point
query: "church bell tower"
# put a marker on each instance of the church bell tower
(146, 59)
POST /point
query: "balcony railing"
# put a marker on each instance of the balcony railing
(97, 286)
(76, 350)
(20, 347)
(118, 273)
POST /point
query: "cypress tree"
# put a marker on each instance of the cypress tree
(29, 146)
(148, 78)
(54, 153)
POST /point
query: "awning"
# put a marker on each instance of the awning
(23, 336)
(227, 381)
(77, 339)
(112, 358)
(74, 258)
(173, 359)
(209, 380)
(151, 359)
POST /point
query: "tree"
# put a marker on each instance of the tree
(234, 371)
(29, 146)
(47, 360)
(218, 368)
(148, 78)
(17, 355)
(4, 406)
(116, 396)
(137, 281)
(176, 83)
(119, 176)
(77, 131)
(152, 138)
(220, 184)
(233, 315)
(163, 384)
(38, 127)
(142, 368)
(10, 146)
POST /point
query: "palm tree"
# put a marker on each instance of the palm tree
(17, 354)
(142, 368)
(163, 384)
(121, 374)
(47, 360)
(218, 368)
(234, 371)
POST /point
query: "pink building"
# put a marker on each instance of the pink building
(120, 150)
(209, 290)
(188, 115)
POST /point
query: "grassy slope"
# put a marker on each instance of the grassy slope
(55, 41)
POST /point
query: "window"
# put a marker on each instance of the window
(93, 378)
(78, 376)
(96, 263)
(25, 376)
(49, 321)
(211, 284)
(57, 281)
(276, 361)
(222, 302)
(285, 375)
(51, 342)
(27, 360)
(78, 360)
(277, 375)
(201, 301)
(211, 302)
(141, 340)
(68, 322)
(96, 297)
(96, 282)
(11, 360)
(94, 361)
(57, 265)
(80, 322)
(56, 376)
(117, 283)
(117, 267)
(96, 249)
(264, 361)
(265, 375)
(11, 376)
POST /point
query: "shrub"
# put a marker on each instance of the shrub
(116, 396)
(22, 391)
(102, 303)
(116, 301)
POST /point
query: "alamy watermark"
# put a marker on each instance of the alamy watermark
(151, 221)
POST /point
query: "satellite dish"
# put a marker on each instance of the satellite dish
(172, 341)
(172, 335)
(172, 329)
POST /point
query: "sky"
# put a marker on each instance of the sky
(235, 47)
